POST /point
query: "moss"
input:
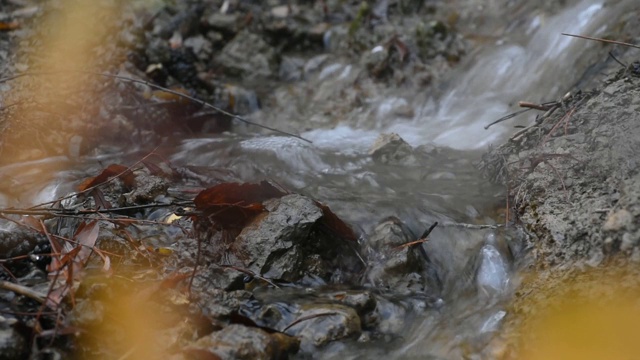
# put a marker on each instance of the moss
(363, 13)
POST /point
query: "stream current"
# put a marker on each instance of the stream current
(530, 61)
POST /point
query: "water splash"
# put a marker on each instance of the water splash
(540, 68)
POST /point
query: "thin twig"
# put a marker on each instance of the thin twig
(603, 40)
(504, 118)
(429, 230)
(158, 87)
(530, 105)
(308, 317)
(23, 290)
(471, 226)
(410, 243)
(616, 60)
(60, 212)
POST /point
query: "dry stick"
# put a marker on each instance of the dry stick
(530, 105)
(504, 118)
(425, 234)
(22, 257)
(616, 60)
(470, 226)
(308, 317)
(23, 290)
(603, 40)
(63, 212)
(8, 272)
(55, 278)
(410, 243)
(162, 88)
(548, 106)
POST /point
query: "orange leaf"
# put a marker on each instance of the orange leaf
(233, 205)
(113, 170)
(8, 26)
(334, 224)
(236, 194)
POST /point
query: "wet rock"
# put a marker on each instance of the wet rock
(217, 303)
(249, 56)
(17, 240)
(388, 317)
(360, 300)
(241, 342)
(13, 345)
(322, 323)
(283, 244)
(147, 188)
(392, 265)
(391, 149)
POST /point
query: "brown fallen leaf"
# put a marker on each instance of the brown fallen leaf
(332, 223)
(8, 26)
(113, 170)
(233, 205)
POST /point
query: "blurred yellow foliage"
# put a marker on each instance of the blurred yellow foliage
(593, 315)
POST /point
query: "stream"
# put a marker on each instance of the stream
(437, 181)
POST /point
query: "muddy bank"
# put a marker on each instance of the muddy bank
(573, 178)
(573, 183)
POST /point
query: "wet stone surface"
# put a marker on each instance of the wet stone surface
(241, 342)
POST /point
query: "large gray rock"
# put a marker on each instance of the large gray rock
(391, 149)
(285, 243)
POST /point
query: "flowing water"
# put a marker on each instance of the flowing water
(529, 61)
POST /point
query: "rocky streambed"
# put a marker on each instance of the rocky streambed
(137, 223)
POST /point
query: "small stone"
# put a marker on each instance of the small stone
(334, 322)
(596, 259)
(629, 241)
(281, 11)
(391, 149)
(619, 220)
